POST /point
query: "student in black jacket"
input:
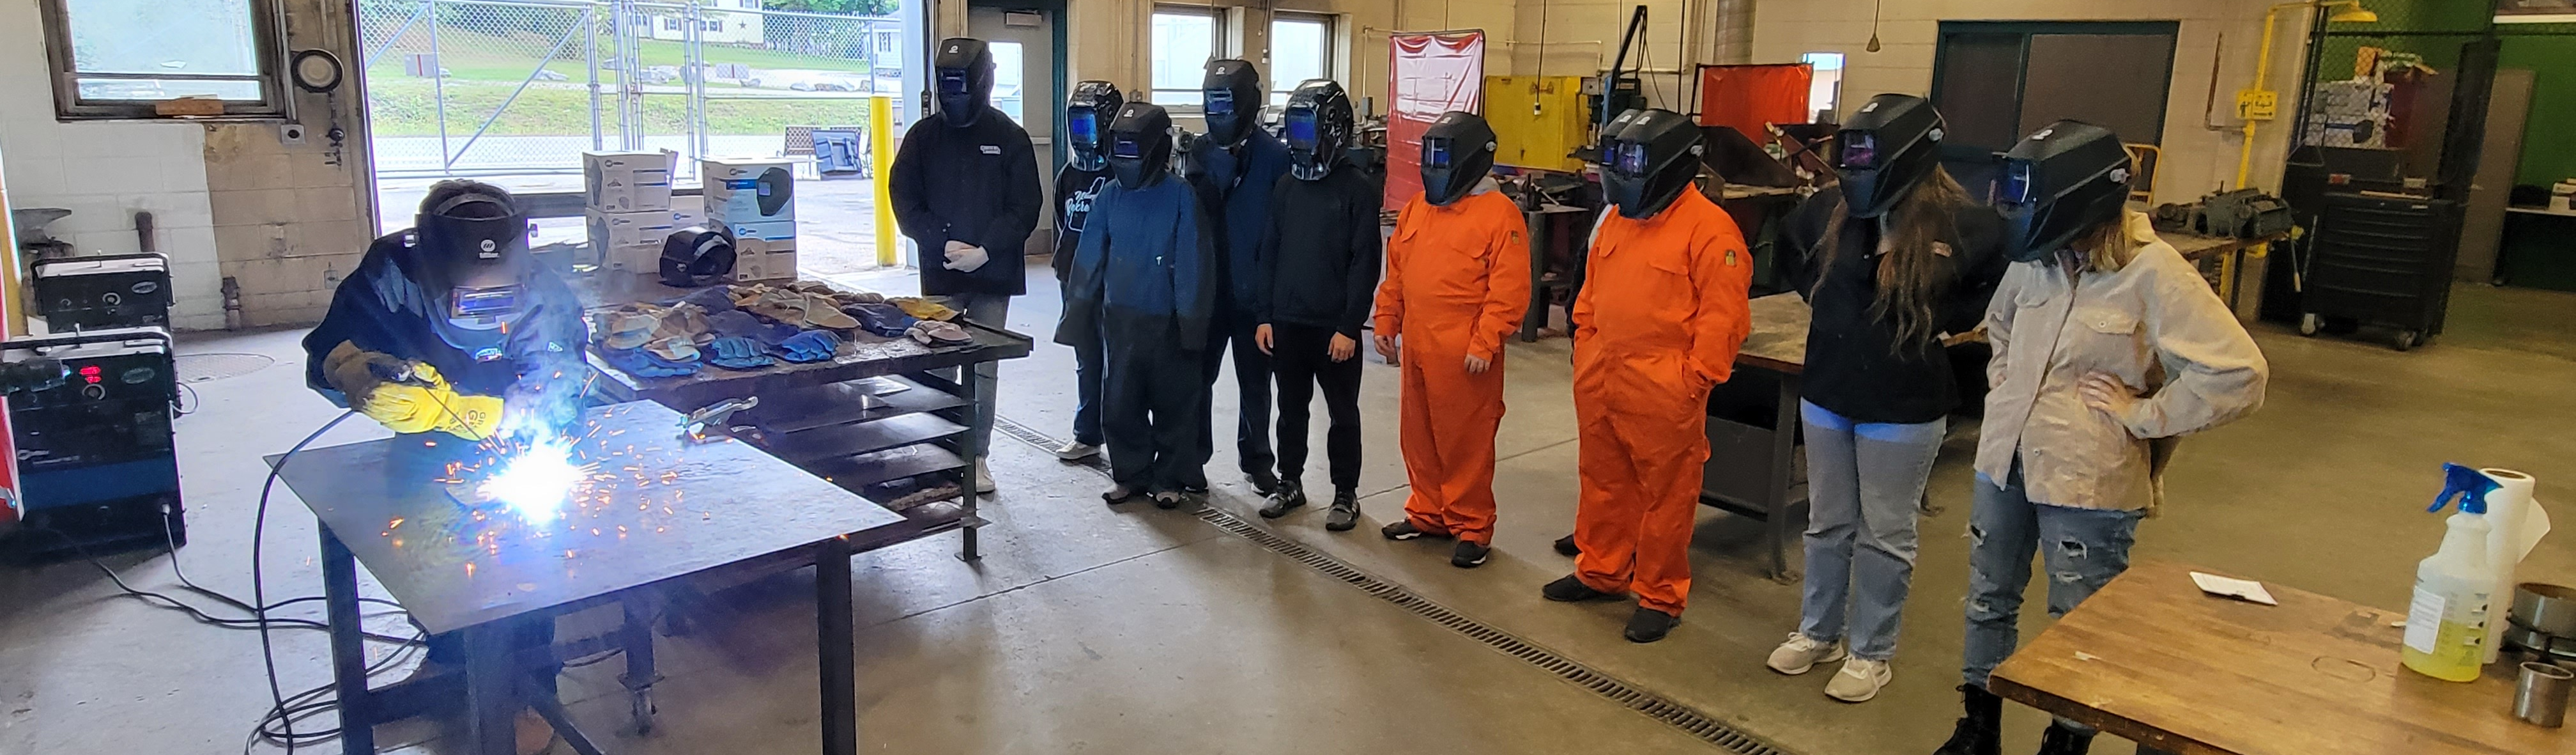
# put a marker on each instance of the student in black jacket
(1077, 185)
(965, 187)
(1233, 169)
(1319, 256)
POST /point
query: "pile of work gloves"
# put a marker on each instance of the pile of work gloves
(749, 327)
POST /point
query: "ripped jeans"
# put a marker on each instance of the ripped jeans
(2085, 549)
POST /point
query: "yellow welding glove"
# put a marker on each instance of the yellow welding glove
(470, 417)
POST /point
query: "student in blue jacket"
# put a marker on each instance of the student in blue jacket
(1145, 280)
(1233, 169)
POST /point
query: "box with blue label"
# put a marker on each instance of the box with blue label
(769, 230)
(741, 191)
(627, 181)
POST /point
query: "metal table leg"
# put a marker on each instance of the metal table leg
(968, 383)
(1535, 317)
(552, 710)
(1784, 449)
(636, 637)
(491, 689)
(348, 645)
(836, 646)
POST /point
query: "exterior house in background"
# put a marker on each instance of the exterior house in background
(719, 27)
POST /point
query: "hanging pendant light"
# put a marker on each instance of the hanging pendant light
(1873, 25)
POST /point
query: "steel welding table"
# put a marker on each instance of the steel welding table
(2152, 659)
(656, 509)
(1755, 471)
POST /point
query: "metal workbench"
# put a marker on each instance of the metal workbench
(1754, 468)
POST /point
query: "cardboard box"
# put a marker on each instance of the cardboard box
(773, 266)
(754, 190)
(769, 230)
(627, 181)
(629, 241)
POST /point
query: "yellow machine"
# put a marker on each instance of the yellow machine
(1538, 120)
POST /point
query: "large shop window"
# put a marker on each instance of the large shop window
(1185, 39)
(1301, 48)
(116, 58)
(1995, 81)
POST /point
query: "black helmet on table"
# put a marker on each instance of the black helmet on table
(1887, 148)
(1651, 162)
(1232, 99)
(1457, 152)
(964, 69)
(1140, 145)
(697, 256)
(1086, 122)
(472, 249)
(2058, 183)
(1318, 124)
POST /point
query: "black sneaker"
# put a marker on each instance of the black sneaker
(1263, 483)
(1289, 498)
(1168, 500)
(1565, 546)
(1571, 589)
(1469, 554)
(1345, 513)
(1649, 625)
(1403, 529)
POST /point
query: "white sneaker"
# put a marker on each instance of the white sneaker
(1858, 681)
(1802, 652)
(983, 479)
(1075, 450)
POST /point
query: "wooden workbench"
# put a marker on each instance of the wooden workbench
(1754, 470)
(2152, 659)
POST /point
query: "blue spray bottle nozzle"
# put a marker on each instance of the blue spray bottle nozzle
(2469, 485)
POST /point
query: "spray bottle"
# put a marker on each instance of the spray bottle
(2446, 622)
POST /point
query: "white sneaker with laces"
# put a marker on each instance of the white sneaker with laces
(1802, 652)
(1858, 681)
(1076, 451)
(983, 479)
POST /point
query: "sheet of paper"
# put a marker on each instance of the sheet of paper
(2244, 589)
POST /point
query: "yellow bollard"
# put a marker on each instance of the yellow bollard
(880, 163)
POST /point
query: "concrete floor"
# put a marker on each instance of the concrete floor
(1136, 630)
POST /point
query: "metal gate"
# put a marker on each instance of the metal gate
(488, 88)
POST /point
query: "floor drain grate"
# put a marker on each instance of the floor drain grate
(1098, 462)
(1654, 706)
(202, 368)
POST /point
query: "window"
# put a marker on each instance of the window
(115, 58)
(1185, 39)
(1007, 71)
(716, 24)
(1825, 95)
(748, 4)
(1301, 48)
(670, 24)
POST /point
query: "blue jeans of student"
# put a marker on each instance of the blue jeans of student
(1865, 485)
(992, 311)
(2085, 549)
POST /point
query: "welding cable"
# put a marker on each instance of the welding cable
(258, 586)
(310, 703)
(170, 540)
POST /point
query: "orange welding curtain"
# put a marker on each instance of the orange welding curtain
(1427, 74)
(1752, 97)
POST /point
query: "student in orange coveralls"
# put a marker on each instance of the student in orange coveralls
(1661, 315)
(1457, 279)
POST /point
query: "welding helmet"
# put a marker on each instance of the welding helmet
(1651, 162)
(1886, 149)
(1232, 99)
(964, 69)
(2057, 184)
(1086, 122)
(1318, 125)
(1457, 152)
(1140, 145)
(471, 244)
(697, 256)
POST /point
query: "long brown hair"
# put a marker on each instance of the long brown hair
(2106, 247)
(1911, 277)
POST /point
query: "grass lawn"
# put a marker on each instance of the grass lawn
(473, 56)
(406, 107)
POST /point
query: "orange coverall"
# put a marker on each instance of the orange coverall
(1457, 281)
(1658, 323)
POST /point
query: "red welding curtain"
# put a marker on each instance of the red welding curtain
(1428, 74)
(1752, 97)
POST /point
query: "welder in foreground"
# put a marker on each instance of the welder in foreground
(1144, 282)
(1661, 315)
(1457, 281)
(452, 328)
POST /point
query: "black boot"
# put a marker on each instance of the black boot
(1980, 732)
(1565, 546)
(2059, 740)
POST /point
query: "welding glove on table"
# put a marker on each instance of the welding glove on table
(407, 396)
(736, 353)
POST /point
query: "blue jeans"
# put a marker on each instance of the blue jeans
(2086, 548)
(1087, 367)
(1864, 486)
(991, 311)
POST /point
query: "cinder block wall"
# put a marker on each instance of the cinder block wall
(288, 224)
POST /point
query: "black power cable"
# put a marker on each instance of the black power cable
(258, 586)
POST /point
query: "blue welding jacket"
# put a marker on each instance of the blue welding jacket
(1235, 189)
(1145, 271)
(382, 307)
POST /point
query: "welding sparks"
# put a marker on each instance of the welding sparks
(535, 483)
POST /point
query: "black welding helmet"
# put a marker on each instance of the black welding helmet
(1885, 150)
(1140, 145)
(1652, 162)
(1086, 122)
(964, 69)
(697, 256)
(1232, 99)
(2060, 182)
(472, 244)
(1318, 125)
(1457, 152)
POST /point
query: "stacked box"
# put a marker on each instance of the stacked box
(755, 199)
(629, 241)
(627, 181)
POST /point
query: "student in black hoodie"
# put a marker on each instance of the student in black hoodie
(1320, 257)
(1077, 185)
(965, 188)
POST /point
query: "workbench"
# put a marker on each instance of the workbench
(1754, 467)
(1559, 241)
(2228, 264)
(2152, 659)
(654, 508)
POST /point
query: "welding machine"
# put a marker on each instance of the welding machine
(103, 291)
(96, 467)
